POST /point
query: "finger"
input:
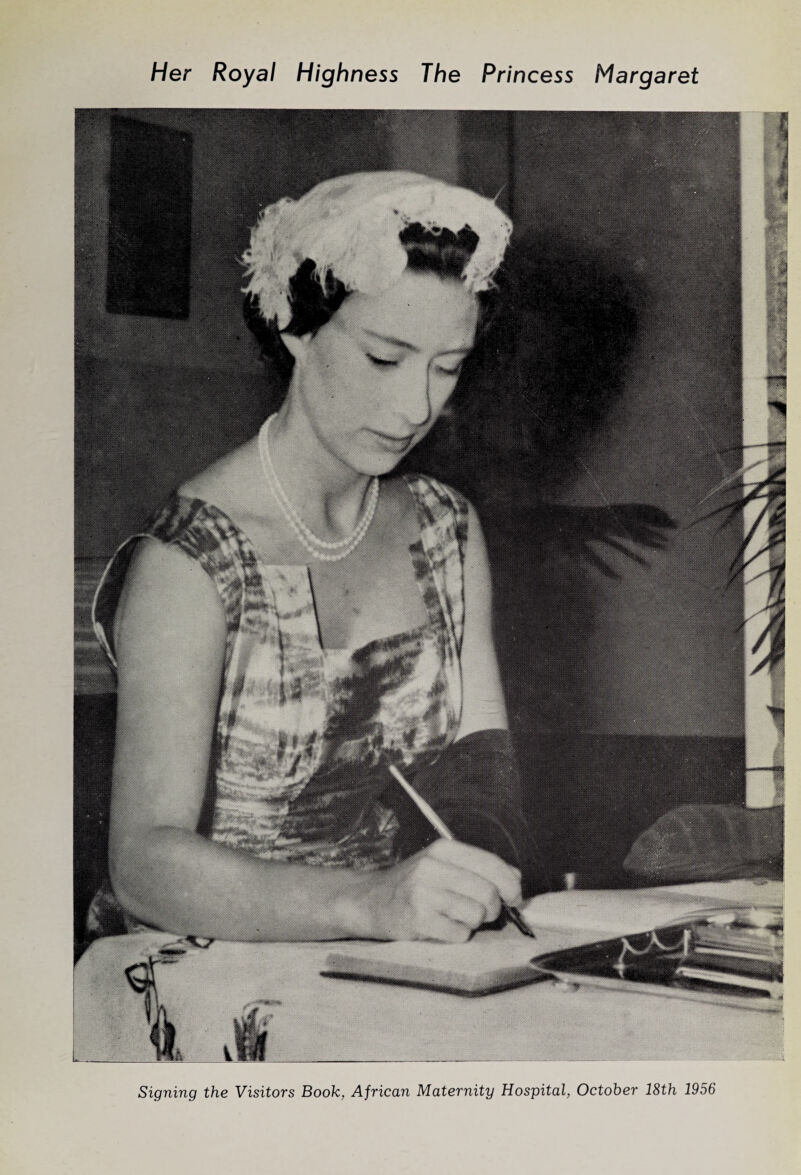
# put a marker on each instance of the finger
(440, 928)
(477, 890)
(445, 876)
(505, 878)
(466, 910)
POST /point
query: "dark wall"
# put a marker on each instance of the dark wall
(659, 193)
(621, 221)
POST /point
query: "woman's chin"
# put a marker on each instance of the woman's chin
(377, 460)
(379, 468)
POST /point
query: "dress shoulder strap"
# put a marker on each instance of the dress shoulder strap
(438, 504)
(443, 516)
(199, 530)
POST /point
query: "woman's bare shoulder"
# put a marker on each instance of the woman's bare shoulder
(166, 599)
(230, 482)
(236, 486)
(154, 565)
(163, 571)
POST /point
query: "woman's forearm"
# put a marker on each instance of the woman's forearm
(176, 880)
(179, 881)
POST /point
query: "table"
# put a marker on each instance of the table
(154, 996)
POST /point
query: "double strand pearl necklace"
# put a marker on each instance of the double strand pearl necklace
(328, 552)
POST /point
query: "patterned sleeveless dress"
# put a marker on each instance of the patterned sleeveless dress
(304, 734)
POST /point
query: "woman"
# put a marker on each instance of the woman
(306, 618)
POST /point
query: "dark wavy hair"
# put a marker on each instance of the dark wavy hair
(312, 302)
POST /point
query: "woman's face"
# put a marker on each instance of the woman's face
(374, 379)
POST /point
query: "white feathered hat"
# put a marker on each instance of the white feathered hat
(350, 228)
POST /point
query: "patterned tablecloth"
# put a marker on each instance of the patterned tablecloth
(158, 997)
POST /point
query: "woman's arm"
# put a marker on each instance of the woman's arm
(475, 785)
(170, 644)
(483, 706)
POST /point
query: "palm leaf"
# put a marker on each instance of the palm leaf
(763, 538)
(778, 541)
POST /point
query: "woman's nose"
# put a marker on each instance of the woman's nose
(415, 401)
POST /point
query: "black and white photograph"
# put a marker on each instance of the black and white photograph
(429, 581)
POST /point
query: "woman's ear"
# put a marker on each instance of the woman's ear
(296, 345)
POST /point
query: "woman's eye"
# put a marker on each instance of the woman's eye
(378, 362)
(451, 372)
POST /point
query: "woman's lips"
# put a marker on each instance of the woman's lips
(392, 443)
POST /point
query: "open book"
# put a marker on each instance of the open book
(497, 960)
(624, 911)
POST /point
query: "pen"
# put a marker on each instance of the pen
(511, 912)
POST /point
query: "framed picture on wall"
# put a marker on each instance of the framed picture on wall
(149, 219)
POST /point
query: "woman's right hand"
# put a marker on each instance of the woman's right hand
(442, 893)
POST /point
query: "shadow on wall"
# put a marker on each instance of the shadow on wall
(549, 367)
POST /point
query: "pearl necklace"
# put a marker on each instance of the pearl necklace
(328, 552)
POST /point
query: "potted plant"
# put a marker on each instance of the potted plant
(705, 841)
